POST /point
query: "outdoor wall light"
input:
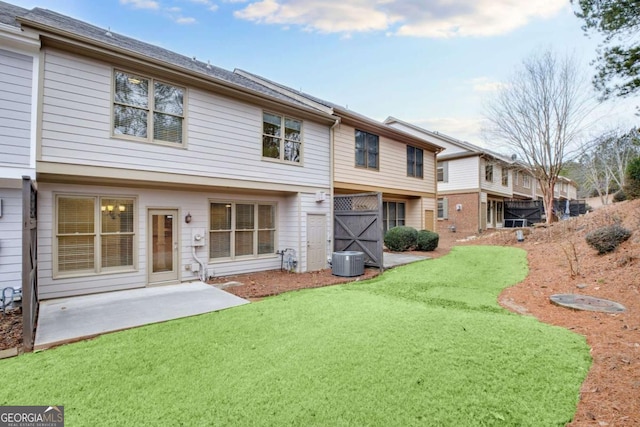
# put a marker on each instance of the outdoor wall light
(187, 218)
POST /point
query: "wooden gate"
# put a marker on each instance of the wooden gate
(358, 225)
(29, 262)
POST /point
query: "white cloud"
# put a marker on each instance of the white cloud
(484, 84)
(141, 4)
(329, 16)
(208, 3)
(416, 18)
(185, 20)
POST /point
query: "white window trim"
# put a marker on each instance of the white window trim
(281, 160)
(97, 253)
(232, 243)
(445, 208)
(150, 110)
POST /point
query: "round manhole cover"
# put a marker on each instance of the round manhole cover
(585, 302)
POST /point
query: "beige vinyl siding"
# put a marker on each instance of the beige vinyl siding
(11, 239)
(15, 108)
(463, 174)
(223, 137)
(392, 171)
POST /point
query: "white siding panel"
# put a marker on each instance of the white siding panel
(291, 229)
(11, 239)
(463, 175)
(495, 186)
(15, 108)
(224, 135)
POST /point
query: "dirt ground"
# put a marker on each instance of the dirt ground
(560, 261)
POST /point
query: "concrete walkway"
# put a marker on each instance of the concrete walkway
(71, 319)
(390, 259)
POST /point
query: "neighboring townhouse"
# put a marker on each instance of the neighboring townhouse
(370, 156)
(525, 185)
(473, 183)
(19, 59)
(155, 168)
(565, 189)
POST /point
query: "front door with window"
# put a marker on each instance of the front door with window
(163, 246)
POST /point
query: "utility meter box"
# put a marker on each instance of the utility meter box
(197, 237)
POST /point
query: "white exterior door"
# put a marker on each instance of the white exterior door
(162, 246)
(316, 242)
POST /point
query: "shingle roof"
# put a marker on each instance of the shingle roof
(8, 13)
(74, 26)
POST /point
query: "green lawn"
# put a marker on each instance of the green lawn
(425, 344)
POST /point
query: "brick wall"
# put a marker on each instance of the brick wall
(466, 220)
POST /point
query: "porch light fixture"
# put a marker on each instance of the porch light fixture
(187, 218)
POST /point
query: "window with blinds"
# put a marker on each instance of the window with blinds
(147, 109)
(241, 230)
(94, 234)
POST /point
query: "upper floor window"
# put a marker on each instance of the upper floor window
(281, 138)
(366, 150)
(516, 177)
(414, 162)
(488, 173)
(505, 177)
(442, 172)
(147, 109)
(94, 234)
(526, 181)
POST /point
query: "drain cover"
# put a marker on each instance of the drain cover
(585, 302)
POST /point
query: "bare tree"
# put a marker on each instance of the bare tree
(604, 160)
(539, 114)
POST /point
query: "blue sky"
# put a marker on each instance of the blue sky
(432, 63)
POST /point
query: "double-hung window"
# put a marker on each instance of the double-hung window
(366, 150)
(526, 181)
(443, 207)
(281, 138)
(488, 173)
(241, 229)
(505, 177)
(148, 109)
(442, 171)
(414, 162)
(393, 215)
(94, 234)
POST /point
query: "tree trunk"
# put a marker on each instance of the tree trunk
(547, 200)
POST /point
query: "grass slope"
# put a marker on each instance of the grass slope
(424, 344)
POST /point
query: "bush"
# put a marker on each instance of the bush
(619, 196)
(607, 239)
(632, 179)
(427, 240)
(400, 239)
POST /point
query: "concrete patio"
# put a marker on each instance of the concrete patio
(71, 319)
(394, 259)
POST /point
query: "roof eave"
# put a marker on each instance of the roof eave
(56, 37)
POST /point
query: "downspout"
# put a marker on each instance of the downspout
(331, 180)
(300, 232)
